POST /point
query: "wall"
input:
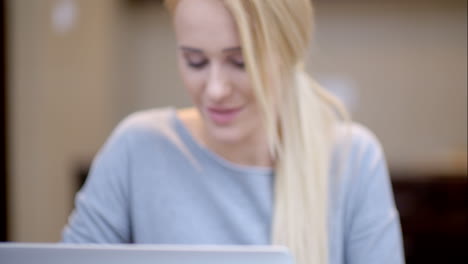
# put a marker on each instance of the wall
(407, 63)
(147, 74)
(60, 85)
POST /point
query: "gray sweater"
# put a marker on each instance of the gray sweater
(153, 183)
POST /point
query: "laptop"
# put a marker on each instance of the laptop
(26, 253)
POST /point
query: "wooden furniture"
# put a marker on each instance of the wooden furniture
(434, 217)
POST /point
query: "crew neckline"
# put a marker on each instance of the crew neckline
(189, 139)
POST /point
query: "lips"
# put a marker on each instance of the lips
(223, 116)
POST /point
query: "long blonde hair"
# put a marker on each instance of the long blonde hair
(299, 117)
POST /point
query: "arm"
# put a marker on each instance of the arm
(373, 227)
(101, 212)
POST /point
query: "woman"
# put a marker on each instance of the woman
(266, 156)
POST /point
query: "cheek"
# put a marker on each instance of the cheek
(193, 85)
(193, 81)
(244, 85)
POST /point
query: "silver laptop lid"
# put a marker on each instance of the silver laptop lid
(20, 253)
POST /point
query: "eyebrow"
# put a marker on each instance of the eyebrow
(201, 51)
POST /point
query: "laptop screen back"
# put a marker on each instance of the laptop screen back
(18, 253)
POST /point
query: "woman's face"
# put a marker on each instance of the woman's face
(212, 69)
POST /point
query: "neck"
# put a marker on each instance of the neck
(249, 151)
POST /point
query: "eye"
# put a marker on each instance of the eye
(197, 64)
(238, 62)
(195, 60)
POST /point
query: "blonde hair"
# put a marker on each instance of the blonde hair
(299, 117)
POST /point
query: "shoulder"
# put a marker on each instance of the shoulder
(150, 120)
(147, 127)
(144, 124)
(355, 133)
(358, 141)
(359, 165)
(358, 156)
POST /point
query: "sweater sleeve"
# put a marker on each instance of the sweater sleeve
(373, 232)
(101, 213)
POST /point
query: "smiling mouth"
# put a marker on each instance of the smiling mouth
(223, 116)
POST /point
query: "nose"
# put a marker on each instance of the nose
(217, 87)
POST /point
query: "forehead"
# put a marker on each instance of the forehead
(205, 24)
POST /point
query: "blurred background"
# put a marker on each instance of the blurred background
(72, 69)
